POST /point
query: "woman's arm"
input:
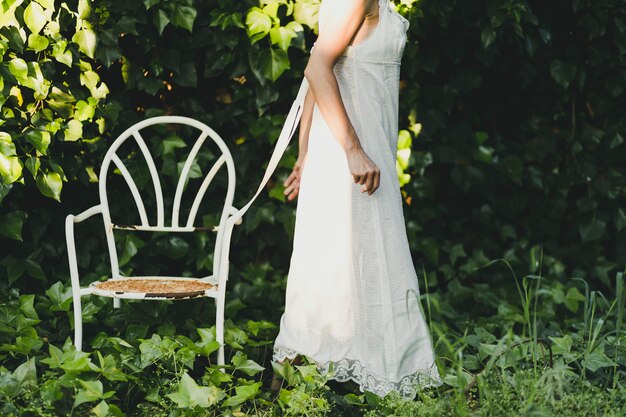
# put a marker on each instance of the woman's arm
(292, 183)
(342, 21)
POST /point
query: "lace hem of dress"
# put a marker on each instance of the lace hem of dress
(352, 369)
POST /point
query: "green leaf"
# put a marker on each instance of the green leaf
(40, 139)
(282, 36)
(26, 374)
(161, 20)
(597, 359)
(306, 13)
(592, 229)
(101, 410)
(73, 131)
(404, 139)
(512, 166)
(487, 36)
(184, 17)
(34, 17)
(190, 394)
(572, 299)
(235, 337)
(86, 40)
(50, 184)
(149, 3)
(258, 24)
(168, 145)
(243, 364)
(61, 54)
(207, 343)
(132, 244)
(11, 224)
(273, 62)
(84, 110)
(243, 393)
(60, 297)
(562, 72)
(92, 391)
(19, 69)
(37, 42)
(10, 168)
(27, 306)
(12, 33)
(562, 345)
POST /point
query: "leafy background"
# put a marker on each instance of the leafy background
(510, 161)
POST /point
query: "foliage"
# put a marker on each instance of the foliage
(511, 130)
(157, 359)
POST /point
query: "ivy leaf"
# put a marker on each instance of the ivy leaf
(74, 131)
(40, 139)
(190, 394)
(61, 299)
(258, 24)
(184, 17)
(306, 12)
(161, 20)
(149, 3)
(242, 363)
(34, 17)
(592, 230)
(597, 359)
(512, 166)
(11, 224)
(26, 374)
(207, 342)
(37, 42)
(19, 69)
(50, 185)
(273, 62)
(243, 393)
(86, 40)
(10, 168)
(562, 72)
(16, 41)
(60, 53)
(92, 391)
(572, 299)
(84, 110)
(487, 37)
(282, 36)
(167, 145)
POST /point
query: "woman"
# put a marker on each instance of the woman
(352, 299)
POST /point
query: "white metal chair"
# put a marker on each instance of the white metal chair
(214, 286)
(159, 287)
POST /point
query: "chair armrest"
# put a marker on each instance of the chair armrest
(69, 238)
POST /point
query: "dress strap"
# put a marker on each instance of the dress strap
(293, 117)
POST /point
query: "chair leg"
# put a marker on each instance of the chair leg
(78, 322)
(117, 302)
(219, 329)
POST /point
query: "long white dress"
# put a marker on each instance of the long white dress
(352, 297)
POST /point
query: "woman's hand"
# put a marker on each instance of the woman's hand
(363, 170)
(292, 183)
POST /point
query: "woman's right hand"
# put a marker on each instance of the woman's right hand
(363, 169)
(292, 183)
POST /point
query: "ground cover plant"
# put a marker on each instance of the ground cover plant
(511, 144)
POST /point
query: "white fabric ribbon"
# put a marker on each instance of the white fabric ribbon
(293, 117)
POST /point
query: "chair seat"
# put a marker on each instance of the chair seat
(153, 288)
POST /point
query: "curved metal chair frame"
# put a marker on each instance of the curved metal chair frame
(213, 286)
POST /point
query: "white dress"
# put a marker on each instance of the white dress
(352, 297)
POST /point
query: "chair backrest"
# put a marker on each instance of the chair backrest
(160, 224)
